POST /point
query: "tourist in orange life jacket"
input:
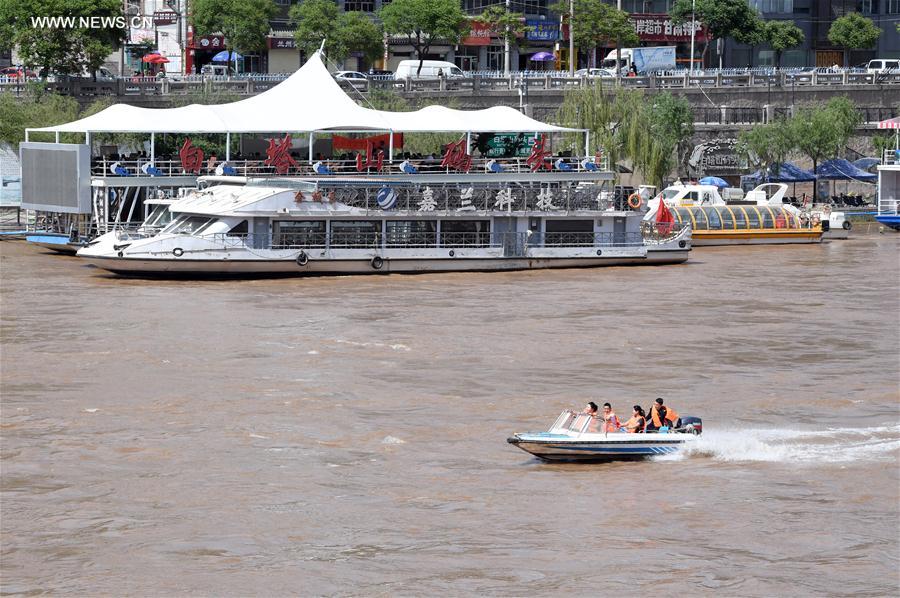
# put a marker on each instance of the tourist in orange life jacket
(637, 421)
(660, 416)
(609, 417)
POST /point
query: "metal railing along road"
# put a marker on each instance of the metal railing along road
(472, 82)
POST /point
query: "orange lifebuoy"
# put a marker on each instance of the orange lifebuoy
(635, 201)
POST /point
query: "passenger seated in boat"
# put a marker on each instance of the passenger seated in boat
(611, 422)
(591, 409)
(636, 423)
(660, 416)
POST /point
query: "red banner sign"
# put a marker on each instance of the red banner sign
(479, 35)
(660, 28)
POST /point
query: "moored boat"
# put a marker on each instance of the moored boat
(383, 224)
(760, 219)
(568, 439)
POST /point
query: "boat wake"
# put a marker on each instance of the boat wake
(833, 445)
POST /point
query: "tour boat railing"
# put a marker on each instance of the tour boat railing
(339, 167)
(512, 243)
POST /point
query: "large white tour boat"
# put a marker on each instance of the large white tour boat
(382, 224)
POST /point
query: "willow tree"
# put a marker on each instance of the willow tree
(767, 146)
(607, 116)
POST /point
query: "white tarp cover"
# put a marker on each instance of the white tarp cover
(309, 100)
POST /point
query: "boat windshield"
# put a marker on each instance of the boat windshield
(159, 217)
(187, 225)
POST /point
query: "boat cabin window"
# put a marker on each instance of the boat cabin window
(767, 220)
(740, 217)
(684, 216)
(670, 193)
(727, 218)
(569, 232)
(752, 217)
(690, 196)
(299, 233)
(474, 233)
(715, 222)
(700, 219)
(159, 217)
(188, 225)
(355, 233)
(241, 228)
(411, 233)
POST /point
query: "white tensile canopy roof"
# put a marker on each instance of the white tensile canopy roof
(307, 101)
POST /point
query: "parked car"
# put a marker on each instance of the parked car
(881, 65)
(431, 69)
(351, 76)
(602, 73)
(17, 71)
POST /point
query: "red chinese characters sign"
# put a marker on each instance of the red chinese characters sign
(660, 28)
(279, 155)
(457, 157)
(191, 157)
(539, 155)
(374, 159)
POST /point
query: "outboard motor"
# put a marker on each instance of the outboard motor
(690, 425)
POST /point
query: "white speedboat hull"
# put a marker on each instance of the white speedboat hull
(598, 447)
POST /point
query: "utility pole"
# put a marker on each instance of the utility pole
(506, 46)
(693, 30)
(571, 38)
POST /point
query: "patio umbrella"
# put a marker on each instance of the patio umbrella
(543, 57)
(158, 59)
(714, 180)
(226, 56)
(152, 57)
(866, 163)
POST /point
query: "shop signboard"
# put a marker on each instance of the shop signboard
(541, 30)
(652, 27)
(479, 35)
(164, 17)
(281, 43)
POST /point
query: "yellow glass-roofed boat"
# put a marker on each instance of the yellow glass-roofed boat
(747, 224)
(759, 220)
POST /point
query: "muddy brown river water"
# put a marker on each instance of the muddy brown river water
(347, 436)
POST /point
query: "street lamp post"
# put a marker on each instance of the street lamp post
(571, 38)
(506, 46)
(693, 29)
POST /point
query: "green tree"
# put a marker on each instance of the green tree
(507, 25)
(722, 18)
(36, 108)
(423, 22)
(244, 23)
(671, 125)
(821, 131)
(767, 146)
(343, 32)
(60, 49)
(782, 35)
(853, 31)
(596, 23)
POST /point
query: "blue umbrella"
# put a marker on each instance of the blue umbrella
(714, 180)
(543, 57)
(223, 56)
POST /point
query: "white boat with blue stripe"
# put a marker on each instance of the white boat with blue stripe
(569, 440)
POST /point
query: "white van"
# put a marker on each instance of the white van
(431, 69)
(214, 70)
(881, 65)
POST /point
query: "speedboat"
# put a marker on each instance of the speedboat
(568, 439)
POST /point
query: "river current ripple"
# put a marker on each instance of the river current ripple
(347, 436)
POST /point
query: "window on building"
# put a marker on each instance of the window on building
(773, 6)
(495, 58)
(867, 7)
(893, 7)
(359, 5)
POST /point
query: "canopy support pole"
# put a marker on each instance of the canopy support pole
(87, 140)
(26, 135)
(57, 137)
(311, 144)
(390, 146)
(227, 147)
(468, 143)
(153, 148)
(587, 143)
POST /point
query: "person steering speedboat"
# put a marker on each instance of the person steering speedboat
(660, 416)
